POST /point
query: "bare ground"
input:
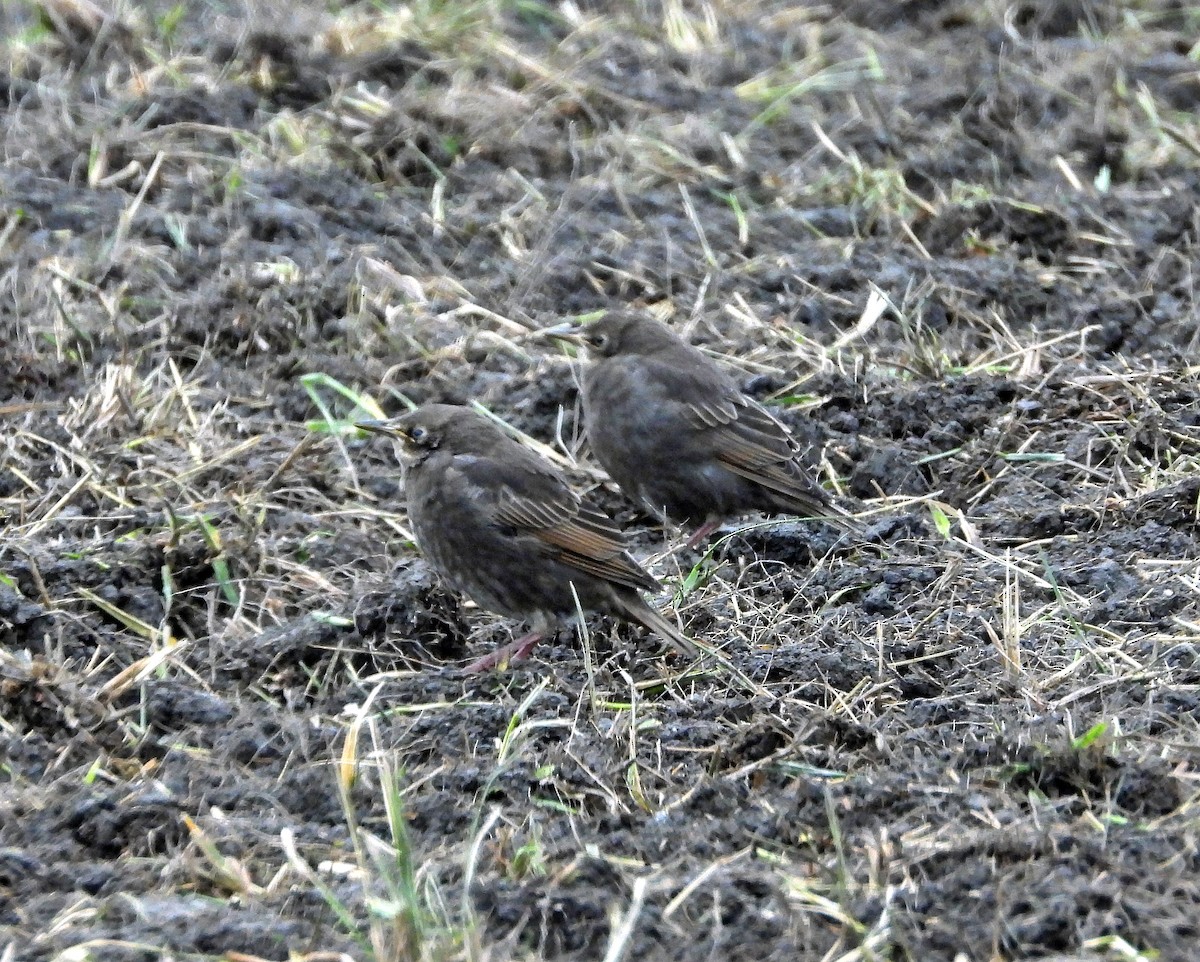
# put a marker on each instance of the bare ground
(955, 243)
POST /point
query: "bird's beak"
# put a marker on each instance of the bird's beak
(387, 428)
(567, 331)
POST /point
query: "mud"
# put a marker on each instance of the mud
(984, 730)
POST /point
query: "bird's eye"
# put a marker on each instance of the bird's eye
(418, 435)
(598, 340)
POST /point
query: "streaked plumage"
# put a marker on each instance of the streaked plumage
(500, 524)
(677, 434)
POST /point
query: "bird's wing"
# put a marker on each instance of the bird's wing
(738, 432)
(533, 499)
(743, 435)
(749, 441)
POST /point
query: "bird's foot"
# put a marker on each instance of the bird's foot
(514, 651)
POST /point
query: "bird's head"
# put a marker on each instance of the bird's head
(425, 429)
(619, 332)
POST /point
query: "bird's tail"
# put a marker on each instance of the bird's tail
(839, 518)
(639, 611)
(798, 494)
(816, 504)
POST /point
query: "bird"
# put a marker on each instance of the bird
(675, 432)
(501, 524)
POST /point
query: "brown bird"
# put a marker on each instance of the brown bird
(677, 434)
(500, 524)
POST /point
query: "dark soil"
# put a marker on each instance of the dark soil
(223, 663)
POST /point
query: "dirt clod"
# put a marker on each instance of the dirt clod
(954, 245)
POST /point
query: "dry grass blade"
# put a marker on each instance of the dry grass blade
(228, 872)
(970, 292)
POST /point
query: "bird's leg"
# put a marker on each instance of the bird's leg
(514, 651)
(525, 644)
(701, 533)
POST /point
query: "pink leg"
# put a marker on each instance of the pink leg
(514, 651)
(702, 532)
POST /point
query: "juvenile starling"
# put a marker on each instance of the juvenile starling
(677, 434)
(500, 524)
